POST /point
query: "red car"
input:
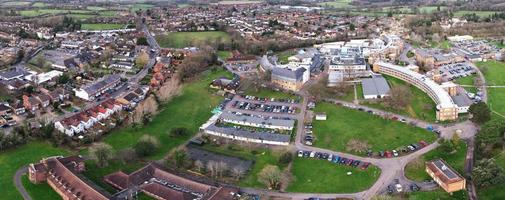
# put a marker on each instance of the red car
(349, 162)
(364, 165)
(389, 154)
(423, 143)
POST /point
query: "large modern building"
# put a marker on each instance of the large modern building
(445, 176)
(290, 79)
(446, 108)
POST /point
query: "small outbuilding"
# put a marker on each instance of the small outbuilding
(321, 116)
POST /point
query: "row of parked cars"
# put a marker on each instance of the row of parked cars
(309, 137)
(334, 158)
(457, 71)
(264, 107)
(397, 187)
(396, 152)
(263, 99)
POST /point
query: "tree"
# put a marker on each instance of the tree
(199, 165)
(179, 157)
(142, 59)
(142, 41)
(101, 153)
(399, 97)
(271, 176)
(352, 27)
(179, 131)
(286, 158)
(487, 173)
(146, 146)
(63, 79)
(480, 113)
(238, 172)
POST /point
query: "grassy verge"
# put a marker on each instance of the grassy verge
(415, 170)
(185, 39)
(344, 124)
(269, 93)
(321, 176)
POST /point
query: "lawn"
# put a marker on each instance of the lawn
(95, 27)
(336, 4)
(422, 106)
(344, 124)
(39, 12)
(415, 170)
(96, 174)
(185, 39)
(440, 45)
(81, 16)
(438, 194)
(494, 72)
(430, 9)
(190, 110)
(13, 159)
(269, 93)
(140, 6)
(284, 55)
(321, 176)
(478, 13)
(96, 8)
(39, 4)
(40, 191)
(223, 54)
(468, 80)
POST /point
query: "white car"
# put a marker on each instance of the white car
(300, 153)
(395, 153)
(330, 157)
(312, 154)
(399, 187)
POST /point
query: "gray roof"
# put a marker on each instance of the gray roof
(445, 169)
(10, 74)
(258, 120)
(462, 100)
(283, 73)
(377, 85)
(250, 134)
(102, 84)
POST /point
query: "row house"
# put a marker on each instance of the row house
(85, 120)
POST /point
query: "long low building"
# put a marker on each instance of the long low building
(445, 176)
(248, 136)
(446, 108)
(281, 124)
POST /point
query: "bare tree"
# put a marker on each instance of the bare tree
(399, 97)
(142, 59)
(271, 176)
(211, 167)
(101, 153)
(221, 168)
(238, 172)
(126, 155)
(199, 165)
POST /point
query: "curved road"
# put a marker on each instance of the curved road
(19, 184)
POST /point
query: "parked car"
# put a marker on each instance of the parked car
(312, 154)
(423, 143)
(336, 159)
(364, 165)
(381, 154)
(414, 187)
(398, 187)
(300, 153)
(411, 148)
(306, 154)
(395, 153)
(388, 154)
(390, 189)
(330, 158)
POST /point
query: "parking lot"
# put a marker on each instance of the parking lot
(454, 71)
(340, 160)
(263, 107)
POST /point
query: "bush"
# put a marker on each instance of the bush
(286, 158)
(146, 146)
(179, 131)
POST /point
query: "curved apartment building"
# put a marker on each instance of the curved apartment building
(446, 108)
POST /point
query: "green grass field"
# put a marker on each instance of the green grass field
(344, 124)
(185, 39)
(95, 27)
(39, 12)
(336, 4)
(415, 171)
(421, 107)
(39, 4)
(13, 159)
(467, 81)
(494, 72)
(223, 54)
(97, 8)
(140, 6)
(40, 191)
(321, 176)
(269, 93)
(430, 9)
(438, 194)
(478, 13)
(190, 110)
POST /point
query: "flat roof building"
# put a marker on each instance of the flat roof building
(375, 88)
(449, 179)
(282, 124)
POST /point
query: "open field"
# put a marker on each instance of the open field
(344, 124)
(140, 6)
(415, 170)
(13, 159)
(321, 176)
(494, 72)
(478, 13)
(185, 39)
(190, 110)
(39, 4)
(336, 4)
(422, 106)
(430, 9)
(96, 8)
(101, 26)
(468, 80)
(39, 12)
